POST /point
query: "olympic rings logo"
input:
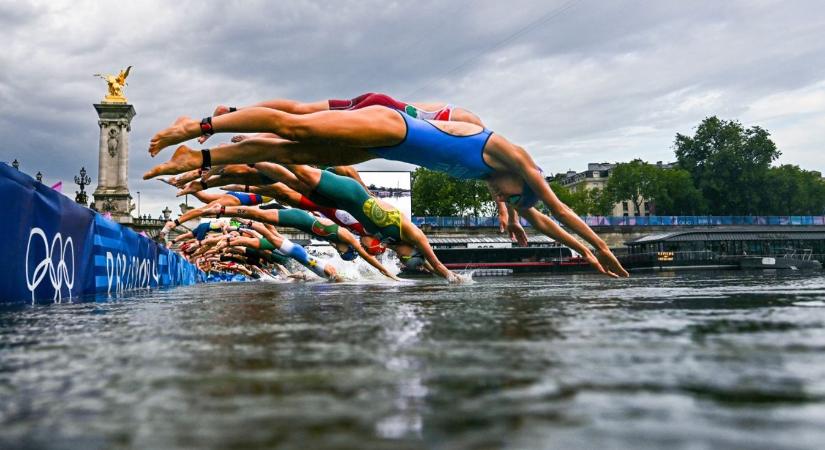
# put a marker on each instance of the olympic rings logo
(58, 273)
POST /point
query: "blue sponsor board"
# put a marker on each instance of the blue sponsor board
(54, 249)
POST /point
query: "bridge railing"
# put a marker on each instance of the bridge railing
(596, 221)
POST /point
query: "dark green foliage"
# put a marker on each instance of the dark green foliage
(438, 194)
(669, 191)
(583, 202)
(729, 165)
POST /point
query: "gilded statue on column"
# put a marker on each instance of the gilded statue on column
(116, 84)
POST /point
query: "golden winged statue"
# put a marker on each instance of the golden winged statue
(116, 84)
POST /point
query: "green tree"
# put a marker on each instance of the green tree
(729, 164)
(676, 195)
(438, 194)
(600, 204)
(576, 200)
(635, 182)
(582, 201)
(793, 191)
(432, 194)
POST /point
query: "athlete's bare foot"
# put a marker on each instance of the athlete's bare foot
(332, 274)
(182, 160)
(181, 130)
(190, 188)
(238, 138)
(180, 180)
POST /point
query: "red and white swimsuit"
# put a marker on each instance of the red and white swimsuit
(339, 216)
(372, 99)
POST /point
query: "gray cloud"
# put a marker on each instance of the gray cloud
(572, 81)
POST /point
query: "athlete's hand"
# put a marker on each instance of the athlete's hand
(502, 223)
(391, 276)
(609, 261)
(594, 261)
(454, 278)
(517, 233)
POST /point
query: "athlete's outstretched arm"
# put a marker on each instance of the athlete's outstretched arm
(184, 236)
(413, 235)
(221, 199)
(568, 217)
(350, 239)
(549, 228)
(521, 162)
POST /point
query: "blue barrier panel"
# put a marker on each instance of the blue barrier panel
(54, 249)
(601, 221)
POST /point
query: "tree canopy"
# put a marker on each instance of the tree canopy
(729, 165)
(668, 191)
(438, 194)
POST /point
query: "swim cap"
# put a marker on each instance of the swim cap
(374, 247)
(350, 254)
(414, 261)
(526, 199)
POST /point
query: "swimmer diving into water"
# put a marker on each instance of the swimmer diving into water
(461, 149)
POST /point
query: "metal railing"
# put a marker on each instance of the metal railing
(644, 221)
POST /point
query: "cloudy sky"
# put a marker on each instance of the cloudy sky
(572, 81)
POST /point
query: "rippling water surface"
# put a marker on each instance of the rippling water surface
(687, 360)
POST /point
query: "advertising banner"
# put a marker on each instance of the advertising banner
(54, 249)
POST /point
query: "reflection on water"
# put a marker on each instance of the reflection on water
(731, 359)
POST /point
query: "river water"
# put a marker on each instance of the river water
(663, 360)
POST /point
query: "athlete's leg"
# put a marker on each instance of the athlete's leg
(284, 194)
(309, 176)
(207, 197)
(279, 173)
(349, 171)
(281, 104)
(373, 126)
(288, 106)
(257, 150)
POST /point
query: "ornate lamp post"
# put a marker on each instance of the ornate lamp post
(83, 180)
(39, 177)
(167, 213)
(138, 193)
(16, 164)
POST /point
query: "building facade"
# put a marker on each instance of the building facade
(596, 176)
